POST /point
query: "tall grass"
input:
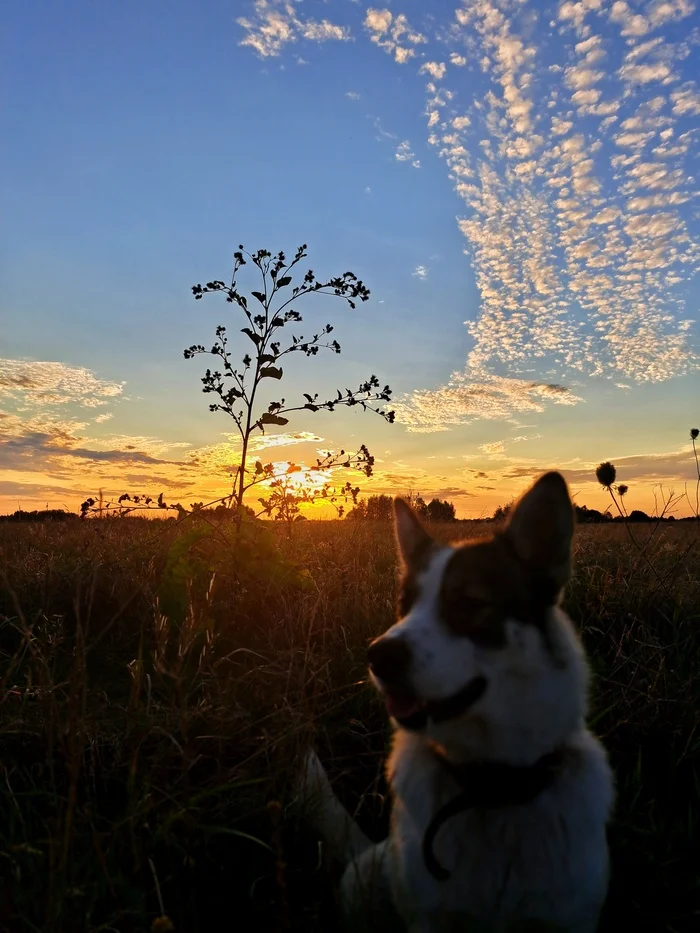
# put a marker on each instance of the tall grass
(158, 683)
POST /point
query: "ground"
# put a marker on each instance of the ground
(159, 680)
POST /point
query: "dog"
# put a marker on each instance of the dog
(501, 795)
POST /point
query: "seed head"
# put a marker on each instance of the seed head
(622, 489)
(162, 924)
(605, 474)
(694, 433)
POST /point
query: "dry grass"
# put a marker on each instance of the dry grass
(158, 681)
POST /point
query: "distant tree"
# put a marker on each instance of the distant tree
(417, 503)
(420, 507)
(380, 508)
(359, 513)
(39, 515)
(636, 515)
(373, 509)
(440, 511)
(502, 512)
(584, 515)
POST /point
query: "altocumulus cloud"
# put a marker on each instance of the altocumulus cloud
(51, 383)
(569, 141)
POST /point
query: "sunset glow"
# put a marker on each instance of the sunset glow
(515, 184)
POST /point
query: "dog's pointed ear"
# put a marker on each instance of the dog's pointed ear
(412, 538)
(541, 528)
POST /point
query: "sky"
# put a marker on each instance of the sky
(515, 181)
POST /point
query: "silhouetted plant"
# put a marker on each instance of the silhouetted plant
(606, 474)
(237, 384)
(286, 497)
(694, 432)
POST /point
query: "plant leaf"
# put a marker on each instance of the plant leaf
(284, 281)
(272, 372)
(259, 296)
(256, 338)
(267, 418)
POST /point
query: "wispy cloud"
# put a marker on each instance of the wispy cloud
(42, 453)
(404, 153)
(52, 383)
(473, 395)
(420, 272)
(495, 447)
(572, 269)
(275, 23)
(393, 34)
(353, 95)
(434, 69)
(572, 155)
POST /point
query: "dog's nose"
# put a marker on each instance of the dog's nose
(389, 659)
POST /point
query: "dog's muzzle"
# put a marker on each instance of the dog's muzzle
(438, 711)
(390, 663)
(413, 713)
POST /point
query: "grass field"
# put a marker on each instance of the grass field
(158, 681)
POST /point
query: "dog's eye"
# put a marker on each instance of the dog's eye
(465, 614)
(464, 603)
(472, 605)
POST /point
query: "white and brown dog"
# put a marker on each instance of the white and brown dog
(501, 795)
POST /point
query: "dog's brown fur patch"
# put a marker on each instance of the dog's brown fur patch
(484, 584)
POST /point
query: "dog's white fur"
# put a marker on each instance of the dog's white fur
(543, 865)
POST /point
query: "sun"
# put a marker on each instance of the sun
(302, 478)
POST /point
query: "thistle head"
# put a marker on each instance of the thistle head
(605, 474)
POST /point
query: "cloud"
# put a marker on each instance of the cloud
(664, 11)
(476, 395)
(436, 69)
(495, 447)
(646, 72)
(378, 22)
(37, 452)
(393, 34)
(631, 24)
(665, 467)
(53, 383)
(404, 153)
(420, 272)
(560, 152)
(686, 101)
(275, 23)
(353, 95)
(284, 439)
(571, 278)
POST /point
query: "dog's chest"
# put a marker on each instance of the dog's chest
(527, 862)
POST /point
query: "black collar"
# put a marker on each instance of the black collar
(487, 785)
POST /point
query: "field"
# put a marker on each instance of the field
(158, 681)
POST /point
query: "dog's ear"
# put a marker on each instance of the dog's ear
(412, 538)
(541, 528)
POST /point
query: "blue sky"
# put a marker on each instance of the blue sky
(515, 183)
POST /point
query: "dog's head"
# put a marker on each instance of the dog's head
(480, 649)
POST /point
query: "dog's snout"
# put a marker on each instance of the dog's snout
(389, 659)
